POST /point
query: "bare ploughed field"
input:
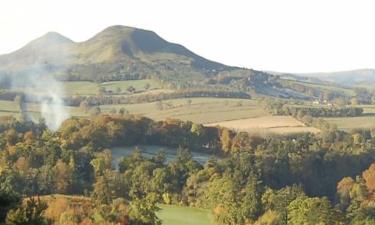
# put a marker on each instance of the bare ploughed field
(267, 124)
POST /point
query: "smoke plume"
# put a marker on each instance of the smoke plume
(45, 91)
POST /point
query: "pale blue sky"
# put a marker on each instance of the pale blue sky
(281, 35)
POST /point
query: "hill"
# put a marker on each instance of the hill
(347, 78)
(117, 52)
(125, 53)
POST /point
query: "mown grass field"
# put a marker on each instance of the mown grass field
(10, 108)
(200, 110)
(349, 123)
(367, 120)
(180, 215)
(267, 124)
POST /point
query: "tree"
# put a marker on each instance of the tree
(131, 89)
(84, 106)
(269, 218)
(369, 177)
(197, 129)
(251, 201)
(122, 111)
(311, 211)
(30, 213)
(102, 193)
(343, 191)
(8, 197)
(22, 105)
(226, 139)
(278, 200)
(102, 91)
(143, 211)
(63, 177)
(95, 111)
(147, 86)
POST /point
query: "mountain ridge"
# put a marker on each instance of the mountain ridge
(113, 45)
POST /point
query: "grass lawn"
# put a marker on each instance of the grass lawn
(179, 215)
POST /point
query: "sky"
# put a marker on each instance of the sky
(275, 35)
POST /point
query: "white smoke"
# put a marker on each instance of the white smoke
(47, 93)
(52, 109)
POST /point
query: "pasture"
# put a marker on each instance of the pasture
(367, 120)
(349, 123)
(199, 110)
(267, 124)
(87, 88)
(237, 114)
(182, 215)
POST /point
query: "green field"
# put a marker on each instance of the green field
(200, 110)
(92, 88)
(349, 123)
(80, 88)
(10, 108)
(139, 85)
(179, 215)
(367, 120)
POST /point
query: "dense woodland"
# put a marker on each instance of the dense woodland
(298, 179)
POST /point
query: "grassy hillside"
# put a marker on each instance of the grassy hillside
(348, 78)
(116, 53)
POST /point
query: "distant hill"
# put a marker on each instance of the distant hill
(347, 78)
(127, 53)
(118, 52)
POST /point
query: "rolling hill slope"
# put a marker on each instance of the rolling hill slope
(117, 52)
